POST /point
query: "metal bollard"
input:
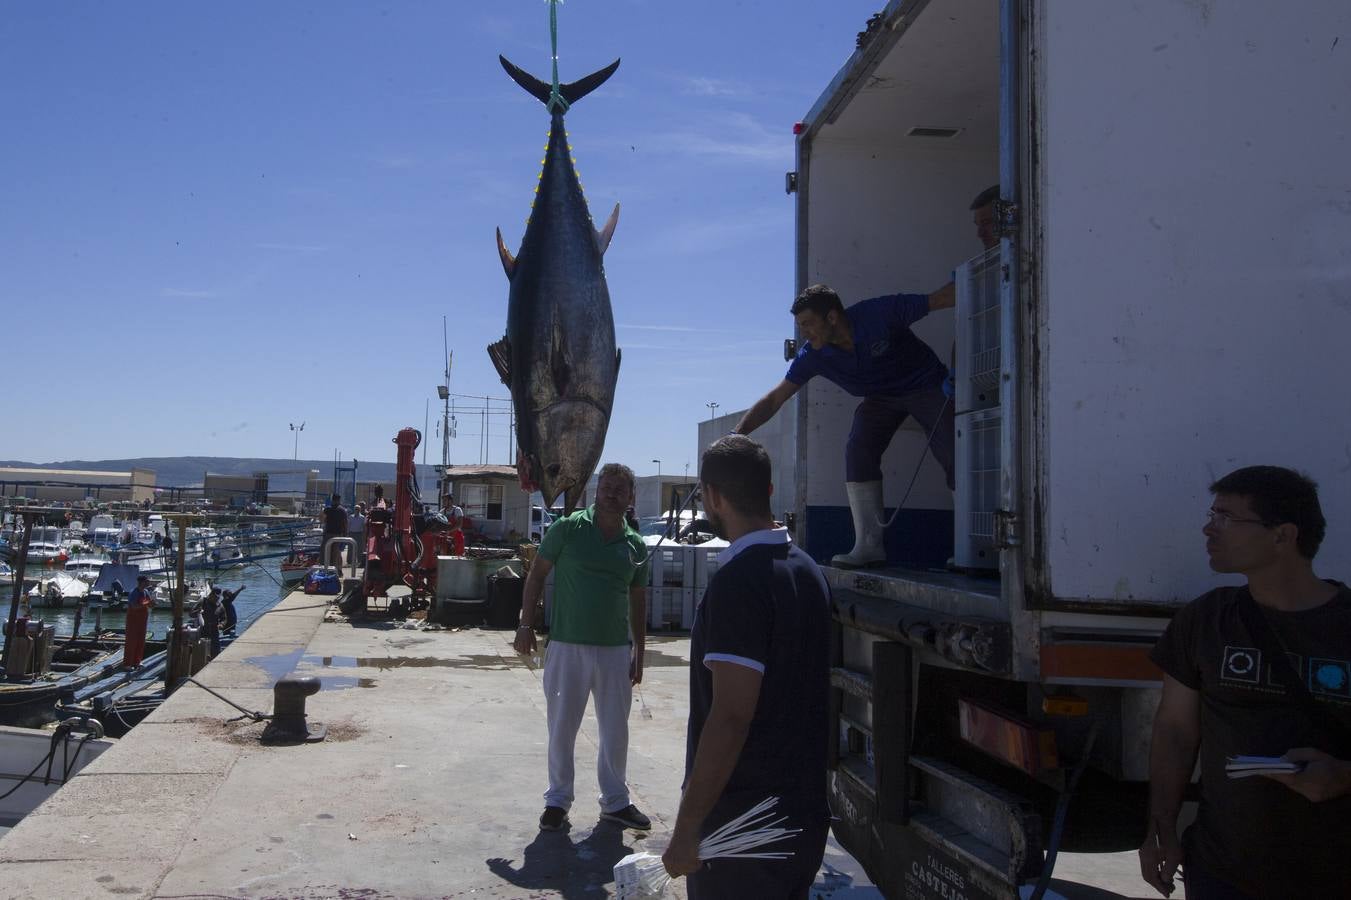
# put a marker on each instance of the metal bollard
(288, 724)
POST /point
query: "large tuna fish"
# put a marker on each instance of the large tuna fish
(559, 356)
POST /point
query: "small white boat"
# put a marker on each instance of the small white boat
(6, 575)
(46, 544)
(57, 589)
(86, 567)
(25, 750)
(224, 553)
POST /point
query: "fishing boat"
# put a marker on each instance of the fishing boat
(121, 700)
(28, 694)
(295, 566)
(34, 764)
(115, 581)
(6, 575)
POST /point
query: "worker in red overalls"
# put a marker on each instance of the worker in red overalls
(138, 617)
(455, 516)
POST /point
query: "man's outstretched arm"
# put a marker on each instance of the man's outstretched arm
(1172, 757)
(943, 298)
(765, 408)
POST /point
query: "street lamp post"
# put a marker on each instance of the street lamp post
(712, 408)
(295, 453)
(658, 462)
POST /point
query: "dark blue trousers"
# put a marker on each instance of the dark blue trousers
(876, 421)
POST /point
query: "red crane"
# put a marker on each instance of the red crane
(402, 542)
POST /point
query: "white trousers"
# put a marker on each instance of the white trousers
(572, 673)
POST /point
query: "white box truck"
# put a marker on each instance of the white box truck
(1172, 292)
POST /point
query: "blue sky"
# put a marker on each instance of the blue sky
(218, 219)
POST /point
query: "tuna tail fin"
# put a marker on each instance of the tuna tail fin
(571, 92)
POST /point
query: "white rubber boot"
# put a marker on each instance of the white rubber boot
(865, 503)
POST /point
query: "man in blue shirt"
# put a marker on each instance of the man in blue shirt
(759, 690)
(870, 352)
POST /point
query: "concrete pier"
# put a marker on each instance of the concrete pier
(429, 783)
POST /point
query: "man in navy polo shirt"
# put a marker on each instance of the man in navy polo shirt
(870, 352)
(759, 690)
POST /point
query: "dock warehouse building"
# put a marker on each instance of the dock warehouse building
(71, 485)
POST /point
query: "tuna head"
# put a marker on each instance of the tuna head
(569, 438)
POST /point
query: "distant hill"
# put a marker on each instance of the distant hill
(187, 471)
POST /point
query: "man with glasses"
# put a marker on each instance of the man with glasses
(1262, 669)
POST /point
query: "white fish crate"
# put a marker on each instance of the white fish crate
(706, 562)
(672, 566)
(977, 496)
(670, 608)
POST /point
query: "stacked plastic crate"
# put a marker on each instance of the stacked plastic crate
(670, 598)
(706, 565)
(978, 414)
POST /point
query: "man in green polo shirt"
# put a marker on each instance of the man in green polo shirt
(595, 648)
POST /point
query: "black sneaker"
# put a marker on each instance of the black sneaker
(554, 818)
(628, 817)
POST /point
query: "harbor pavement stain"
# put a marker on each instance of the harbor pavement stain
(277, 665)
(483, 661)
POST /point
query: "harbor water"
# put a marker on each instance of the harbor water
(260, 579)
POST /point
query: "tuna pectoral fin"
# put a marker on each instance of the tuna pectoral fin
(509, 261)
(500, 354)
(619, 357)
(603, 236)
(571, 92)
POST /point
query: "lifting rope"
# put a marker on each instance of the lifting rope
(556, 100)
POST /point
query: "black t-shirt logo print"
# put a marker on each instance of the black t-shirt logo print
(1242, 664)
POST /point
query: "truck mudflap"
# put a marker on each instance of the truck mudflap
(922, 827)
(930, 856)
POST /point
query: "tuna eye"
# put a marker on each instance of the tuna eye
(553, 470)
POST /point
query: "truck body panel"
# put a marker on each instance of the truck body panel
(1195, 207)
(1176, 282)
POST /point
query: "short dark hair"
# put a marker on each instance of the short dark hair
(1279, 495)
(819, 299)
(986, 197)
(335, 499)
(617, 470)
(741, 471)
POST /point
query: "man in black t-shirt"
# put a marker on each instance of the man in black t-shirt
(1279, 835)
(759, 690)
(335, 525)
